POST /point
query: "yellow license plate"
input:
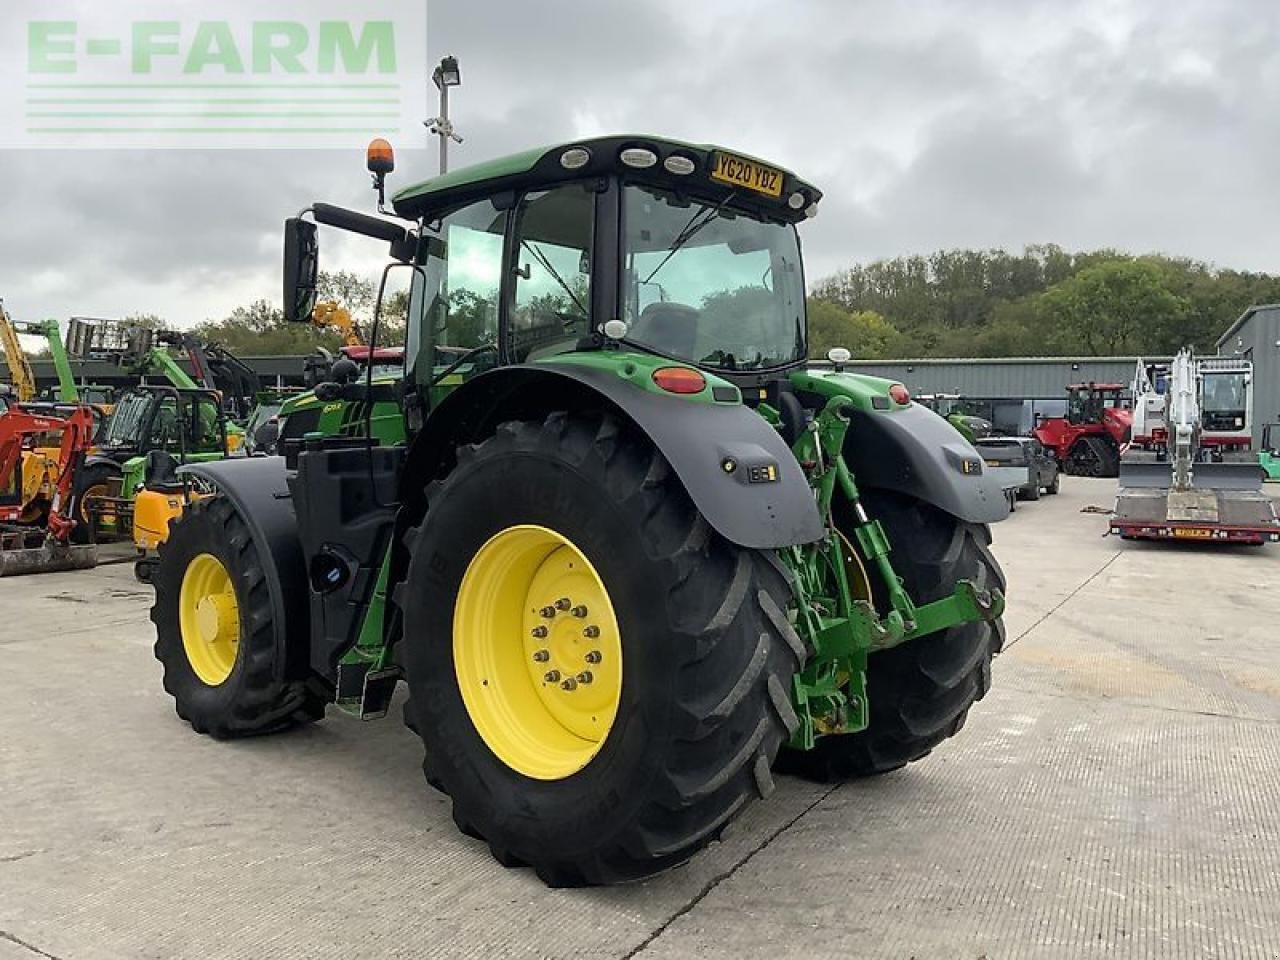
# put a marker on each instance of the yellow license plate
(993, 463)
(1193, 533)
(742, 172)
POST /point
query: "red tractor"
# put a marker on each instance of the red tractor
(1088, 439)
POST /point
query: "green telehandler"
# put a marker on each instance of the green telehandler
(629, 554)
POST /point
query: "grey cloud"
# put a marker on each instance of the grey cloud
(1134, 124)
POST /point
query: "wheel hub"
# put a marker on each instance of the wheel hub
(537, 652)
(209, 619)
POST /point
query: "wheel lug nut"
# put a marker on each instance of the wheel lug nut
(591, 632)
(579, 611)
(541, 656)
(584, 677)
(551, 676)
(593, 657)
(563, 603)
(539, 632)
(569, 684)
(548, 612)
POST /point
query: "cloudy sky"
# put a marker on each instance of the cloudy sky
(1147, 126)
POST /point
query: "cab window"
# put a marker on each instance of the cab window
(551, 304)
(453, 305)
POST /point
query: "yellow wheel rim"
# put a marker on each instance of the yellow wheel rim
(209, 618)
(537, 652)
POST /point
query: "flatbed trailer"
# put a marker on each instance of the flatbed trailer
(1225, 504)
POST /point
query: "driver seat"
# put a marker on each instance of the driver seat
(670, 327)
(160, 472)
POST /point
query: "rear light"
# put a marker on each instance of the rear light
(679, 380)
(900, 394)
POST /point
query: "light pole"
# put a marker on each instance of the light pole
(444, 76)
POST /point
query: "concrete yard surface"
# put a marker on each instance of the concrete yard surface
(1116, 794)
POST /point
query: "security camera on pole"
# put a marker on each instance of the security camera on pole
(445, 75)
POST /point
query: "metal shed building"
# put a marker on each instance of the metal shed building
(1256, 336)
(1009, 391)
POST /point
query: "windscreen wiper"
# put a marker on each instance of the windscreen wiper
(546, 265)
(689, 231)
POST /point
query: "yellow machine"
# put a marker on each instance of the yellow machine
(334, 315)
(20, 373)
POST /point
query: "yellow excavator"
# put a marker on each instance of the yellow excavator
(20, 374)
(332, 315)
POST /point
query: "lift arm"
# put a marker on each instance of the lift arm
(20, 373)
(1183, 419)
(331, 314)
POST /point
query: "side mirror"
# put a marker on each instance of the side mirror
(301, 269)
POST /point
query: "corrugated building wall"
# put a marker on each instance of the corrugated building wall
(1256, 336)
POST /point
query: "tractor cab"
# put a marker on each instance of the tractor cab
(676, 251)
(1087, 401)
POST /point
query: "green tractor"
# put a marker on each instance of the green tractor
(629, 555)
(953, 408)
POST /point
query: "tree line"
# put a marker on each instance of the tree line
(1042, 302)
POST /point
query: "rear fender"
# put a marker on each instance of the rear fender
(916, 452)
(696, 438)
(258, 489)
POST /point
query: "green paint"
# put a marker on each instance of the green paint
(1270, 464)
(49, 43)
(858, 388)
(830, 694)
(279, 43)
(474, 177)
(213, 46)
(336, 42)
(102, 47)
(638, 369)
(153, 38)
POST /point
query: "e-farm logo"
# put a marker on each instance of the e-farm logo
(272, 73)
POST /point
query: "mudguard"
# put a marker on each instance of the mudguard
(762, 502)
(96, 458)
(258, 489)
(916, 452)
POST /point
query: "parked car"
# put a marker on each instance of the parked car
(1010, 454)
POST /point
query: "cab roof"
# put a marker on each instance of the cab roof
(545, 166)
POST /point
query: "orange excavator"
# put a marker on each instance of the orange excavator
(58, 543)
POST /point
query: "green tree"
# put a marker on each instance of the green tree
(866, 334)
(1113, 308)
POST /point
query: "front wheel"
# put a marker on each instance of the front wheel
(216, 629)
(920, 691)
(599, 679)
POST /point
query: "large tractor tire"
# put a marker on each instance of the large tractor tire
(920, 691)
(215, 629)
(599, 679)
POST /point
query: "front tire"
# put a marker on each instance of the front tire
(920, 691)
(707, 654)
(215, 629)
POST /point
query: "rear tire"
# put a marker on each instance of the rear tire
(249, 700)
(920, 692)
(1033, 491)
(706, 647)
